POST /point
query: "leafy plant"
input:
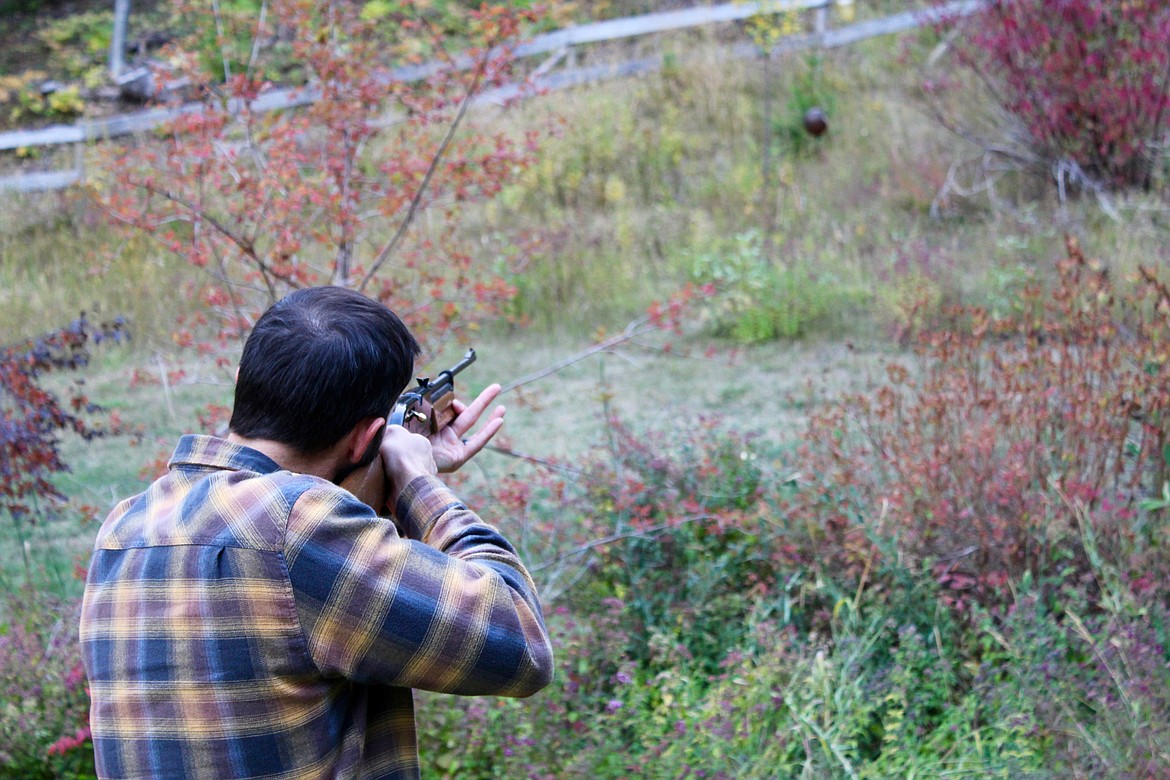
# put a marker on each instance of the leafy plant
(810, 89)
(1087, 80)
(44, 721)
(31, 101)
(759, 301)
(33, 417)
(78, 42)
(20, 6)
(269, 202)
(977, 465)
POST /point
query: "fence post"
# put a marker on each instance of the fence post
(118, 41)
(821, 19)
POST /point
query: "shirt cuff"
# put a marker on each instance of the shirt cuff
(421, 503)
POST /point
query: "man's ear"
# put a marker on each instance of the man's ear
(363, 437)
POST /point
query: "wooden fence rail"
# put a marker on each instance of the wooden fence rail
(616, 29)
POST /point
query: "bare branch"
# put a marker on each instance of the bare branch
(256, 37)
(548, 464)
(412, 210)
(227, 68)
(632, 330)
(243, 244)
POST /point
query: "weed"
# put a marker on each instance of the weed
(759, 301)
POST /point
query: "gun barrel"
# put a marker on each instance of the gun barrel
(449, 375)
(467, 360)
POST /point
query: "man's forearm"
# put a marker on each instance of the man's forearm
(441, 520)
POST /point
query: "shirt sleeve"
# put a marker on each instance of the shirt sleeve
(449, 609)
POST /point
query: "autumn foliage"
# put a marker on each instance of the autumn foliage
(335, 191)
(1088, 80)
(1017, 445)
(32, 417)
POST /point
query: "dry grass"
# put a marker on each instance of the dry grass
(58, 259)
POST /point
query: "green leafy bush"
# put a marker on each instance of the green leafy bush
(21, 6)
(811, 88)
(30, 102)
(760, 301)
(79, 43)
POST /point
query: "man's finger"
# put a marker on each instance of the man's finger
(473, 444)
(468, 414)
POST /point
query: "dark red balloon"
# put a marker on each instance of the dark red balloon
(815, 121)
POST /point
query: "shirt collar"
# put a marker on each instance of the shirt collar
(214, 452)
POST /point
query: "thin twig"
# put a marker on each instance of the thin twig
(256, 38)
(1162, 102)
(227, 68)
(243, 244)
(630, 332)
(166, 386)
(548, 464)
(416, 201)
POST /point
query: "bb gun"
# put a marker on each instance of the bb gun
(426, 410)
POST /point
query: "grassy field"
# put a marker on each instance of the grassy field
(631, 213)
(790, 642)
(761, 388)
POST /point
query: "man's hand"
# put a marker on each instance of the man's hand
(405, 456)
(451, 446)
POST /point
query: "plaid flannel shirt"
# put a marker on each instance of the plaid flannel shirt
(244, 621)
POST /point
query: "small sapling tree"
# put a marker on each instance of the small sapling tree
(336, 191)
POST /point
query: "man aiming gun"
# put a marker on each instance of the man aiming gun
(246, 616)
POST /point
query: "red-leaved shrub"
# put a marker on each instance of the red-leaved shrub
(1018, 445)
(332, 192)
(32, 417)
(1088, 79)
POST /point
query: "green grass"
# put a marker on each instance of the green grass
(629, 214)
(677, 174)
(59, 259)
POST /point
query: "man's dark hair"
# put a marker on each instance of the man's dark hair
(316, 363)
